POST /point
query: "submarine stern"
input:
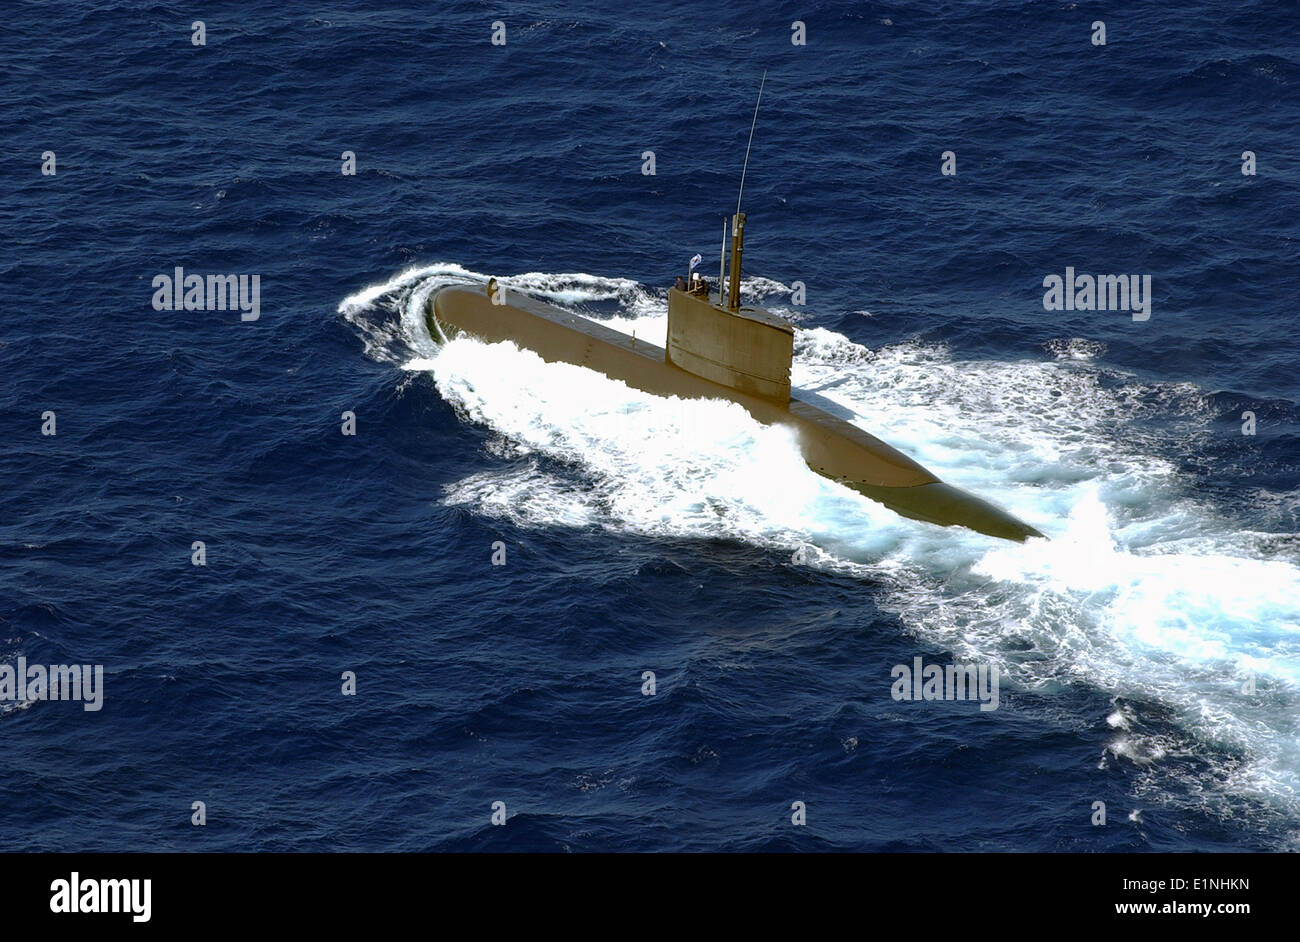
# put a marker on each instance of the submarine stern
(947, 506)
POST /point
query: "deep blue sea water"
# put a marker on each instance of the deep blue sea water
(640, 534)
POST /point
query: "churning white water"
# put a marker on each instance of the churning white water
(1143, 591)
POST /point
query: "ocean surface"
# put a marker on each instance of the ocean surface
(1148, 655)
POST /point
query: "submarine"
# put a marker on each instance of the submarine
(719, 349)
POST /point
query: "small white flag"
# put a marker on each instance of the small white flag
(695, 261)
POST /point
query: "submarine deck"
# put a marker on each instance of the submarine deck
(831, 446)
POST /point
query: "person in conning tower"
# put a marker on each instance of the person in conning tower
(681, 283)
(699, 286)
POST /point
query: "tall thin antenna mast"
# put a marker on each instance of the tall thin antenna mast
(751, 140)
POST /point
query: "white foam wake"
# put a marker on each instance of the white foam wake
(1143, 591)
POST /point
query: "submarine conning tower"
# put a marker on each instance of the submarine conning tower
(745, 349)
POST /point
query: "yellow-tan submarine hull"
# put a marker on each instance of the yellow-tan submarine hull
(831, 446)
